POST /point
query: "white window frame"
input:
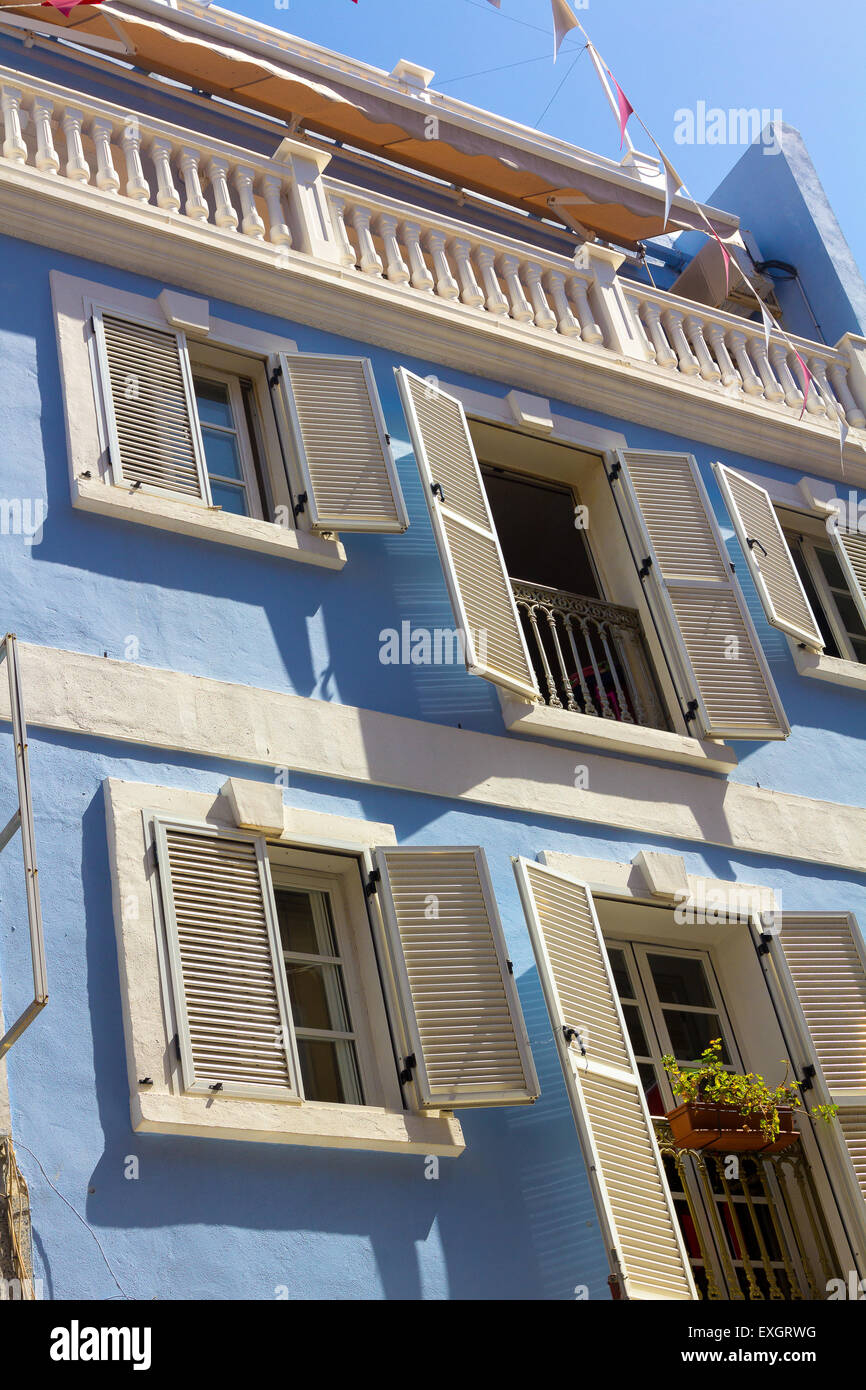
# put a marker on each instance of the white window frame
(92, 484)
(826, 596)
(249, 478)
(339, 847)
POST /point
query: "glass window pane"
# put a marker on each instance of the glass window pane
(620, 972)
(214, 405)
(222, 454)
(680, 980)
(305, 923)
(231, 499)
(651, 1089)
(831, 567)
(859, 645)
(317, 995)
(817, 606)
(690, 1034)
(329, 1071)
(849, 614)
(635, 1029)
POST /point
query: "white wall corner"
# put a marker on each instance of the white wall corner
(532, 412)
(664, 874)
(818, 493)
(255, 805)
(185, 311)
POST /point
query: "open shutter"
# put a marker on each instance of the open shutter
(850, 548)
(717, 661)
(616, 1133)
(493, 642)
(770, 561)
(338, 449)
(462, 1031)
(230, 995)
(820, 964)
(154, 439)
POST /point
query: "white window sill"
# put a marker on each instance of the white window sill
(310, 1123)
(829, 668)
(610, 736)
(190, 519)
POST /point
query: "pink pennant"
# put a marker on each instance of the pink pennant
(807, 380)
(65, 6)
(625, 107)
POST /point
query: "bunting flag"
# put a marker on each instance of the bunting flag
(769, 322)
(727, 255)
(673, 184)
(625, 107)
(65, 6)
(807, 378)
(564, 19)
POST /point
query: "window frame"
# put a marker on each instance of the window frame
(827, 598)
(249, 478)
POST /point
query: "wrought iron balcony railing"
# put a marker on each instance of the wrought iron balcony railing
(589, 656)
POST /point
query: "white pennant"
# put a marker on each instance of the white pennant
(769, 322)
(564, 19)
(673, 184)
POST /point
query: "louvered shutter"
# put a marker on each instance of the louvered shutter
(459, 1014)
(228, 983)
(151, 419)
(338, 449)
(616, 1133)
(478, 585)
(821, 964)
(850, 548)
(770, 561)
(717, 661)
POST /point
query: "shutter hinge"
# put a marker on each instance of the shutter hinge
(177, 1046)
(763, 948)
(145, 1081)
(275, 375)
(409, 1065)
(93, 323)
(436, 489)
(808, 1076)
(692, 711)
(217, 1086)
(645, 568)
(510, 964)
(370, 886)
(300, 505)
(387, 439)
(615, 471)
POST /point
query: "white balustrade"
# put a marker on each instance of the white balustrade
(14, 147)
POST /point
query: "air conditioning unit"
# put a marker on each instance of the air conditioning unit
(703, 281)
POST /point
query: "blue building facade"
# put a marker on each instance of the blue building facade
(206, 661)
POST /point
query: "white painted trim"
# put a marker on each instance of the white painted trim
(194, 715)
(498, 409)
(147, 1014)
(610, 878)
(836, 670)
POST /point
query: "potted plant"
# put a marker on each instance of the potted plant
(727, 1112)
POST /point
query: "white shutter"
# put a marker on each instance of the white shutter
(770, 562)
(154, 439)
(338, 448)
(616, 1133)
(719, 667)
(459, 1014)
(822, 967)
(228, 982)
(850, 548)
(478, 585)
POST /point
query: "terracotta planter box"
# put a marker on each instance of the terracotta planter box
(722, 1129)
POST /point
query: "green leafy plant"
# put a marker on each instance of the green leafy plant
(749, 1094)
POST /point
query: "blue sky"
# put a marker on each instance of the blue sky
(806, 60)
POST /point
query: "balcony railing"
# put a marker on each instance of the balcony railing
(752, 1225)
(589, 656)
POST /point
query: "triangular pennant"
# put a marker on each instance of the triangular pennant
(769, 321)
(807, 379)
(64, 6)
(625, 107)
(673, 184)
(564, 19)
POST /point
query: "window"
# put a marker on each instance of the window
(841, 626)
(223, 403)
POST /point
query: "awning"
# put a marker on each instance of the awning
(615, 206)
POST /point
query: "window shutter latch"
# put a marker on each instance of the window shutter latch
(300, 505)
(409, 1065)
(571, 1035)
(436, 489)
(370, 886)
(751, 542)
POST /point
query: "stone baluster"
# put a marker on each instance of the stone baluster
(252, 224)
(589, 329)
(520, 307)
(752, 384)
(224, 212)
(494, 300)
(279, 231)
(396, 268)
(47, 158)
(370, 260)
(694, 327)
(818, 368)
(418, 267)
(167, 196)
(640, 327)
(716, 334)
(544, 315)
(760, 356)
(653, 324)
(346, 249)
(137, 186)
(470, 290)
(554, 283)
(779, 359)
(14, 147)
(77, 167)
(107, 177)
(196, 206)
(839, 377)
(688, 363)
(446, 286)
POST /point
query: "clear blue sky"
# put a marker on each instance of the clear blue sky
(807, 60)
